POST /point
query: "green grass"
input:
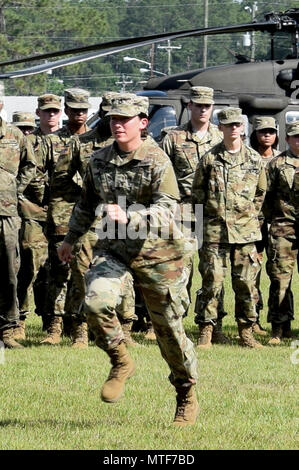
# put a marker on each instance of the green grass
(248, 398)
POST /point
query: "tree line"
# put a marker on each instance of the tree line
(39, 26)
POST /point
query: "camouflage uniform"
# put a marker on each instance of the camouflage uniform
(17, 168)
(61, 204)
(185, 148)
(231, 188)
(282, 204)
(145, 177)
(33, 209)
(263, 122)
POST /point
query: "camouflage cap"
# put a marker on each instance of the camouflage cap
(230, 115)
(264, 122)
(292, 128)
(21, 119)
(129, 105)
(49, 101)
(107, 100)
(77, 98)
(202, 95)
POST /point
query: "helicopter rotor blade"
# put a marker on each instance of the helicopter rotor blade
(113, 47)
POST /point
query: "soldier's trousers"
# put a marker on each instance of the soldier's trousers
(244, 268)
(9, 267)
(33, 271)
(166, 298)
(282, 255)
(67, 282)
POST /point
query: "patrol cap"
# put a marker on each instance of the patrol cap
(264, 122)
(107, 100)
(76, 98)
(292, 128)
(49, 101)
(202, 95)
(129, 105)
(230, 115)
(21, 119)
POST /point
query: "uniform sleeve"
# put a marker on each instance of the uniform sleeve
(166, 144)
(270, 194)
(27, 168)
(83, 214)
(199, 184)
(260, 189)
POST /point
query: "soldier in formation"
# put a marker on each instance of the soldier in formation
(282, 204)
(33, 208)
(230, 182)
(133, 182)
(61, 291)
(185, 145)
(24, 121)
(264, 140)
(17, 168)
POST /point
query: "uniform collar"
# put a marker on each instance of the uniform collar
(233, 159)
(191, 135)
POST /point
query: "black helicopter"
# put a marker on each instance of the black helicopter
(269, 87)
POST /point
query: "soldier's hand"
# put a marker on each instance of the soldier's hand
(115, 212)
(65, 252)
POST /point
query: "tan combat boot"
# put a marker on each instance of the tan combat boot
(79, 334)
(54, 331)
(218, 337)
(246, 336)
(205, 336)
(257, 328)
(122, 369)
(19, 331)
(127, 328)
(187, 406)
(7, 336)
(276, 334)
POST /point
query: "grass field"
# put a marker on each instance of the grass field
(248, 398)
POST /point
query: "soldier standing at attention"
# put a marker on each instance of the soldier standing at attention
(185, 145)
(24, 121)
(282, 202)
(264, 140)
(134, 180)
(230, 182)
(33, 208)
(17, 168)
(61, 203)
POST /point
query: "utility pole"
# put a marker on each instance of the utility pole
(123, 83)
(169, 49)
(205, 38)
(152, 59)
(252, 9)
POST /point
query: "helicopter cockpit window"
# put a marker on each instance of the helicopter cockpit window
(292, 116)
(160, 117)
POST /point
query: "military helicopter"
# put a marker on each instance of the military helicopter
(269, 87)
